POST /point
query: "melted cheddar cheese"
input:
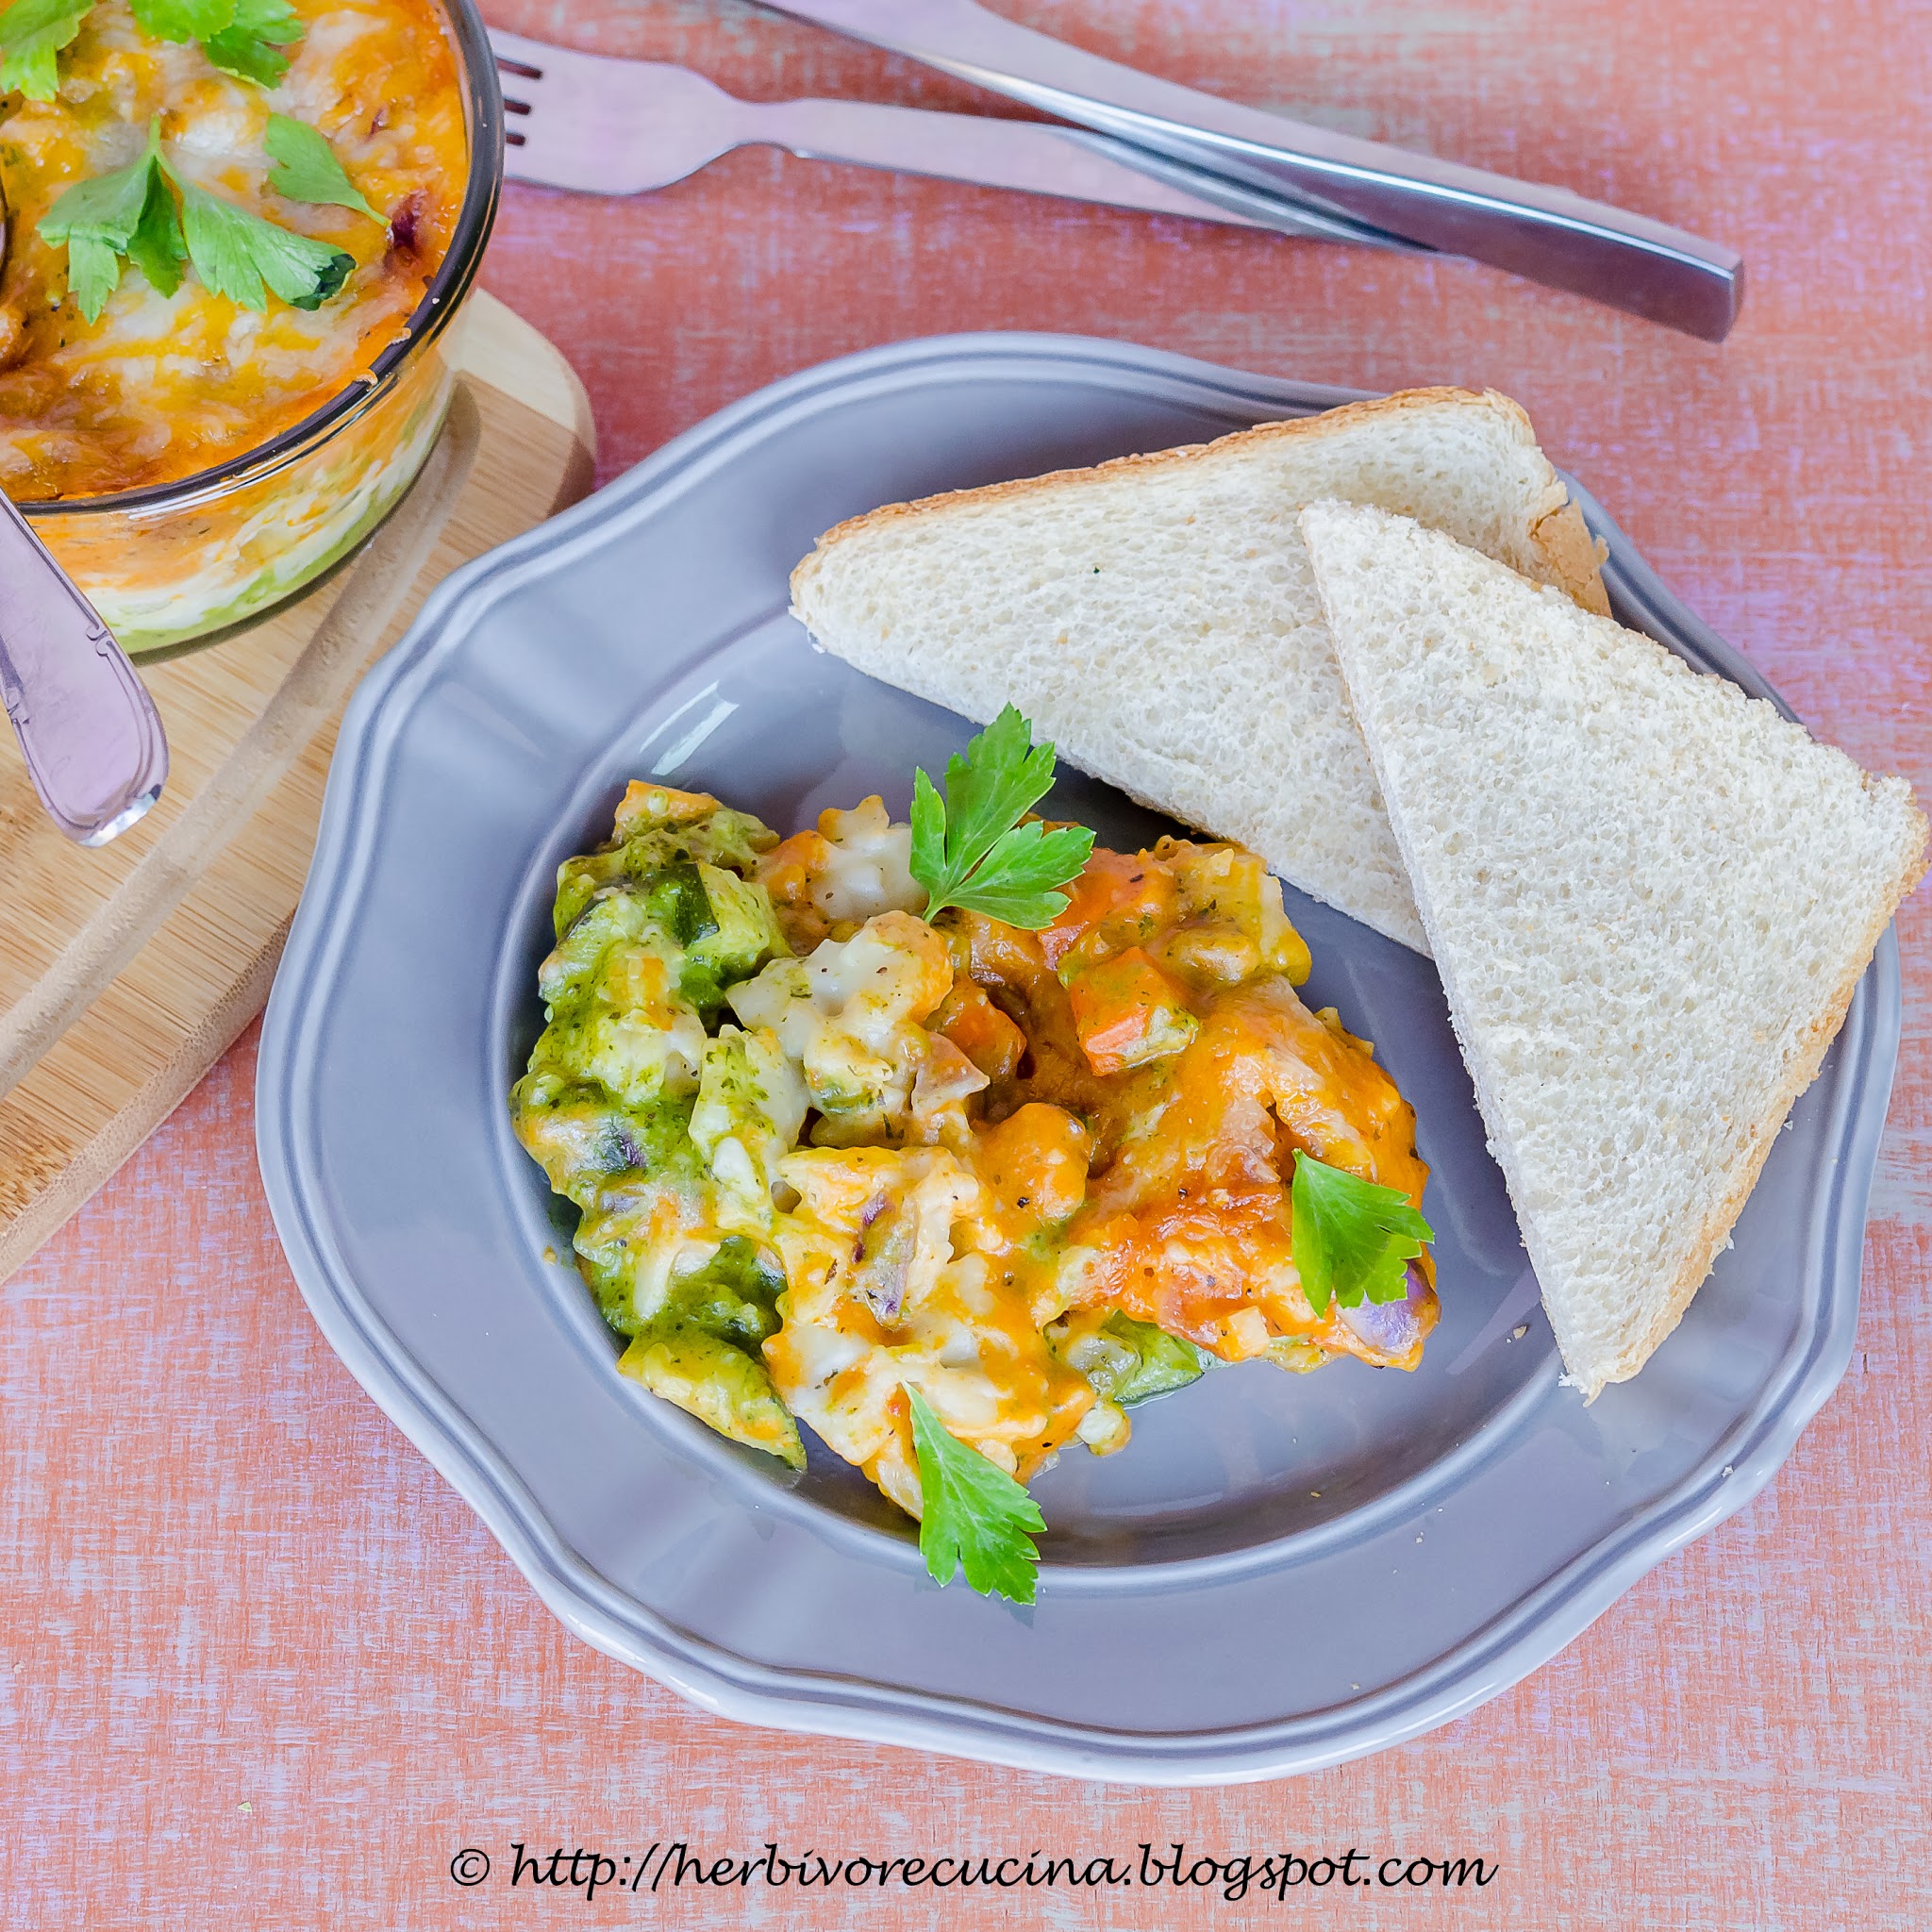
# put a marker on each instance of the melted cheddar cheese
(157, 388)
(1158, 1013)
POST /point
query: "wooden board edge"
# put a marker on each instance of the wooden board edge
(128, 1129)
(530, 374)
(497, 347)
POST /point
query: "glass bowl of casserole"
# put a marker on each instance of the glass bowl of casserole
(294, 429)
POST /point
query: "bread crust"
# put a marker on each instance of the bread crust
(1556, 529)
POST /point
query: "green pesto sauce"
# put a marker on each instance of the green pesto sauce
(604, 1106)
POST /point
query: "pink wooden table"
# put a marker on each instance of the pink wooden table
(260, 1666)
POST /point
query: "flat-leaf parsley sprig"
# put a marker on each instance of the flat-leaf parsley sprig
(1353, 1238)
(968, 848)
(251, 45)
(32, 32)
(972, 1515)
(130, 213)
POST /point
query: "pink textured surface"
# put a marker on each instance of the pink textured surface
(262, 1666)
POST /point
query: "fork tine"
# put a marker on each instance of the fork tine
(587, 121)
(513, 71)
(517, 73)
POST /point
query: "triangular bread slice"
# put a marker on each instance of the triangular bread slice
(1649, 897)
(1154, 617)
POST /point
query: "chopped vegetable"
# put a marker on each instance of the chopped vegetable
(1352, 1238)
(974, 1517)
(1157, 1363)
(719, 1383)
(1128, 1361)
(1127, 1011)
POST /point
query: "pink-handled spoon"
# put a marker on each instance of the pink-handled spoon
(92, 738)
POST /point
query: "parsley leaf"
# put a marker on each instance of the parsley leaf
(969, 849)
(98, 219)
(304, 167)
(234, 253)
(241, 37)
(250, 46)
(183, 20)
(93, 273)
(156, 247)
(32, 32)
(1352, 1238)
(131, 213)
(974, 1516)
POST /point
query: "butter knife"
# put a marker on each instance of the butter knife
(1542, 233)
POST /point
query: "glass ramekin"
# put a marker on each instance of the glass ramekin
(183, 563)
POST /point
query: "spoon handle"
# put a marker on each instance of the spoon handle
(93, 741)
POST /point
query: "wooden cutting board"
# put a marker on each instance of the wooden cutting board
(125, 973)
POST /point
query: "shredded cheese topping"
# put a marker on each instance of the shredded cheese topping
(160, 388)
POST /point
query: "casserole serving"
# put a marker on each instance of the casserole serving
(195, 449)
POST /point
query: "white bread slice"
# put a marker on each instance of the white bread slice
(1154, 617)
(1649, 898)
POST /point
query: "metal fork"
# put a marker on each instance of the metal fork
(610, 126)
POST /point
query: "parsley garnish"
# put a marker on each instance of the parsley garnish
(1352, 1238)
(130, 213)
(304, 167)
(234, 253)
(182, 20)
(968, 848)
(32, 32)
(251, 45)
(156, 247)
(99, 220)
(241, 37)
(974, 1516)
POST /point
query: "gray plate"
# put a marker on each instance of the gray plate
(1279, 1572)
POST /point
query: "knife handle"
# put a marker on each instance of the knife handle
(1546, 234)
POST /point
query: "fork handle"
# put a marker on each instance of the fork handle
(1030, 156)
(1546, 234)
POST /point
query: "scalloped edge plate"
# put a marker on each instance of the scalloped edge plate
(456, 1428)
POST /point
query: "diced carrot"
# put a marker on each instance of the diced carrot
(1035, 1161)
(1118, 900)
(1127, 1011)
